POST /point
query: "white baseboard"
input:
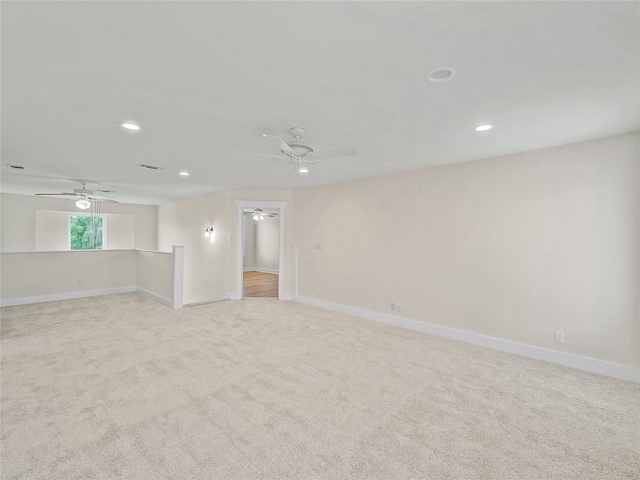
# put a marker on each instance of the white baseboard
(286, 297)
(601, 367)
(261, 270)
(164, 301)
(63, 296)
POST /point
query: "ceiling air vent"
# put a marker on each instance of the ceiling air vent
(15, 167)
(149, 167)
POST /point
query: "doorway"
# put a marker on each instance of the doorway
(260, 254)
(268, 267)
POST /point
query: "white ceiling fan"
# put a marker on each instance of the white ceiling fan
(83, 196)
(259, 214)
(299, 154)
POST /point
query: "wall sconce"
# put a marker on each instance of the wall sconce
(208, 231)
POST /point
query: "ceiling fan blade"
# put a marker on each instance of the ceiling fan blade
(102, 199)
(82, 193)
(56, 194)
(282, 145)
(257, 155)
(339, 152)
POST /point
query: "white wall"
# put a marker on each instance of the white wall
(43, 275)
(34, 277)
(52, 231)
(210, 263)
(206, 260)
(262, 241)
(18, 221)
(514, 247)
(154, 273)
(120, 231)
(267, 243)
(249, 258)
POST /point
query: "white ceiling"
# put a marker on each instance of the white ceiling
(206, 79)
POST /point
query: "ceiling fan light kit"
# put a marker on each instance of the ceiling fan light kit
(83, 203)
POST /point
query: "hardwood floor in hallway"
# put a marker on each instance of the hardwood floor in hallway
(260, 285)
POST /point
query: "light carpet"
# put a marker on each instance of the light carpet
(119, 387)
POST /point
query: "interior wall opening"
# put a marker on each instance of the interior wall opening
(261, 242)
(264, 260)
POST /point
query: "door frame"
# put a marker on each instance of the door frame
(264, 204)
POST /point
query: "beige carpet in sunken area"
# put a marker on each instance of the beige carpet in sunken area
(119, 386)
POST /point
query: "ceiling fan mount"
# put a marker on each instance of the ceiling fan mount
(297, 132)
(84, 190)
(300, 148)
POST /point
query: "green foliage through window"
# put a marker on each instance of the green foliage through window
(86, 232)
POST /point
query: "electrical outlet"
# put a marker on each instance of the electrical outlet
(559, 337)
(400, 308)
(392, 306)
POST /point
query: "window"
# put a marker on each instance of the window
(86, 232)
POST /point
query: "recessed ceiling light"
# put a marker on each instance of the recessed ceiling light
(484, 127)
(130, 126)
(184, 174)
(441, 74)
